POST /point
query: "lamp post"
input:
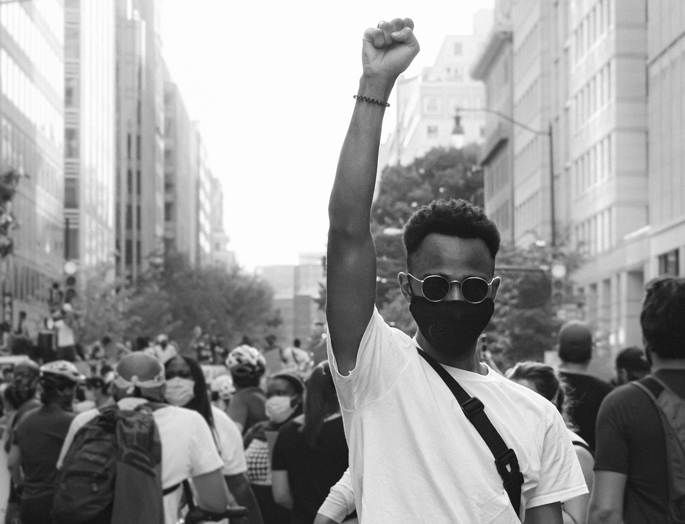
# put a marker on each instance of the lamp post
(549, 133)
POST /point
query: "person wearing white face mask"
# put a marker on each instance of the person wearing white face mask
(186, 387)
(284, 402)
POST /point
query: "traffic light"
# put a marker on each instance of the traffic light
(70, 282)
(558, 273)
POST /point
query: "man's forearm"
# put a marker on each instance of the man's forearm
(355, 178)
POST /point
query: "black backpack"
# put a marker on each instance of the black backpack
(114, 457)
(671, 410)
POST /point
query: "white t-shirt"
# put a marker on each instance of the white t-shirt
(340, 500)
(415, 457)
(188, 449)
(65, 335)
(230, 443)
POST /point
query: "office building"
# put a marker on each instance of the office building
(427, 104)
(90, 127)
(665, 65)
(32, 143)
(296, 288)
(181, 176)
(220, 256)
(608, 162)
(602, 75)
(140, 138)
(494, 68)
(204, 207)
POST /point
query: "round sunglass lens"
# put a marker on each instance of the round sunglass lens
(435, 288)
(474, 289)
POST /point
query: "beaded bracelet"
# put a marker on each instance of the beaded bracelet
(370, 100)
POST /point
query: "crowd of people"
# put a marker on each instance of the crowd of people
(369, 424)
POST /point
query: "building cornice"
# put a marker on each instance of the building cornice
(498, 37)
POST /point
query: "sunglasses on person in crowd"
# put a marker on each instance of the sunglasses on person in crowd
(436, 288)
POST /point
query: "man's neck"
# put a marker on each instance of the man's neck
(467, 361)
(573, 367)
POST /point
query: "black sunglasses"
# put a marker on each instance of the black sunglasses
(436, 288)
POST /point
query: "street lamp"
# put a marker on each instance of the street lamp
(548, 133)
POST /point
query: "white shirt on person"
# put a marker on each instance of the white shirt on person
(415, 457)
(188, 449)
(230, 443)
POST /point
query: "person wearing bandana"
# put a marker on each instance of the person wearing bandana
(414, 455)
(188, 449)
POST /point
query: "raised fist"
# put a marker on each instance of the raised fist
(389, 48)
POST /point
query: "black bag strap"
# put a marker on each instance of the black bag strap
(505, 457)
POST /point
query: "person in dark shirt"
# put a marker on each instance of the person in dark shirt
(575, 352)
(247, 406)
(631, 470)
(38, 440)
(310, 454)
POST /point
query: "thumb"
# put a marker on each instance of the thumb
(406, 36)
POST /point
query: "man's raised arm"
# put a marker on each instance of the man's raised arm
(351, 262)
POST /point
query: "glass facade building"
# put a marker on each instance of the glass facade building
(32, 142)
(90, 120)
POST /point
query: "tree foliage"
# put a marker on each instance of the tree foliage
(177, 297)
(103, 306)
(524, 325)
(441, 173)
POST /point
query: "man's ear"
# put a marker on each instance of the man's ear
(495, 286)
(405, 287)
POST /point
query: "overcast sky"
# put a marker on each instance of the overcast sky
(271, 83)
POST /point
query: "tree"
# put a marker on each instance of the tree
(524, 325)
(103, 306)
(177, 297)
(441, 173)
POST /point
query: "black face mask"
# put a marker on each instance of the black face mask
(451, 327)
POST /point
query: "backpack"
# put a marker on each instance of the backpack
(671, 409)
(112, 471)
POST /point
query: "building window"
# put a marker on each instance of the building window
(71, 142)
(431, 106)
(669, 263)
(72, 43)
(70, 92)
(72, 244)
(458, 49)
(432, 132)
(71, 193)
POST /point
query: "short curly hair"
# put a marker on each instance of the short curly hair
(663, 311)
(457, 218)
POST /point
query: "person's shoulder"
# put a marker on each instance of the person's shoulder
(180, 416)
(627, 394)
(521, 393)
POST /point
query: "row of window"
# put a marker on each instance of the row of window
(26, 283)
(594, 95)
(31, 40)
(30, 100)
(593, 167)
(528, 214)
(592, 27)
(596, 234)
(497, 174)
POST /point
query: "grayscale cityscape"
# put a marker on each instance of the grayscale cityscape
(237, 263)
